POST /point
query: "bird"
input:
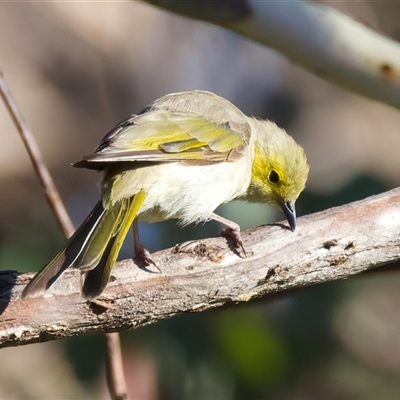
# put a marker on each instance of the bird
(181, 157)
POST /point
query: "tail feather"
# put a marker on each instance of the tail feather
(97, 278)
(93, 248)
(99, 239)
(64, 258)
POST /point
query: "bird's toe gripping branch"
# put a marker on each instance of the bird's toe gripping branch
(232, 232)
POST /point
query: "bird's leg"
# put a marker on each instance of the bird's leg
(141, 254)
(232, 231)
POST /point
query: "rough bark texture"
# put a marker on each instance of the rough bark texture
(329, 245)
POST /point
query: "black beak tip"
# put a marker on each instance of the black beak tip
(290, 213)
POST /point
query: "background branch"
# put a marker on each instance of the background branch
(318, 38)
(329, 245)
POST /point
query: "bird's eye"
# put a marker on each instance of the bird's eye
(273, 176)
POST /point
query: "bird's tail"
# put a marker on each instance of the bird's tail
(93, 248)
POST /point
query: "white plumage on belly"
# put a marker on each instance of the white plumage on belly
(177, 191)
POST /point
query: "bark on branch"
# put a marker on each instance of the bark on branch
(329, 245)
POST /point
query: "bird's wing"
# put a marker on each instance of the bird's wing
(191, 127)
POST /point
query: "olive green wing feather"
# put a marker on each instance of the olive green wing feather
(193, 127)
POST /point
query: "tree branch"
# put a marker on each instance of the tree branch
(329, 245)
(318, 38)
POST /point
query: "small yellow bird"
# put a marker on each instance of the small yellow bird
(181, 157)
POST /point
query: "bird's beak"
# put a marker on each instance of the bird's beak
(290, 213)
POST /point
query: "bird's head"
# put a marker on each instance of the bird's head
(279, 171)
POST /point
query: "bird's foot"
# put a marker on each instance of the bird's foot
(235, 236)
(142, 256)
(232, 231)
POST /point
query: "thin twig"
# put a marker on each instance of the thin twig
(50, 190)
(115, 372)
(116, 379)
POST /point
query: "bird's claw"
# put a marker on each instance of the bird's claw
(235, 236)
(142, 255)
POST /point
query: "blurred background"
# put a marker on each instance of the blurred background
(75, 70)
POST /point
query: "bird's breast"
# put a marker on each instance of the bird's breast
(189, 193)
